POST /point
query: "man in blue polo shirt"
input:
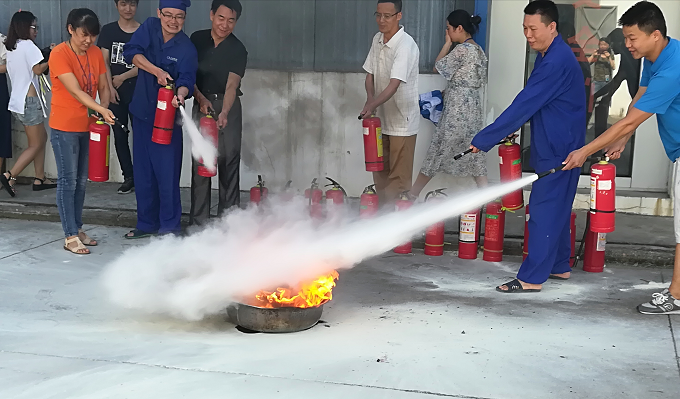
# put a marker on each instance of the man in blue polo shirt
(644, 27)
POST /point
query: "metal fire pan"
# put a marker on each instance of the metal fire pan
(278, 320)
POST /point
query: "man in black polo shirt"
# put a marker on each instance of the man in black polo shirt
(222, 62)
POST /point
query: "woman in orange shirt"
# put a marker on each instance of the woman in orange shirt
(78, 73)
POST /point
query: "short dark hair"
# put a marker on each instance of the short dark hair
(397, 3)
(647, 16)
(19, 28)
(85, 19)
(129, 1)
(545, 8)
(234, 5)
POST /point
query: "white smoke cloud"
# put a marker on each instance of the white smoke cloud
(262, 248)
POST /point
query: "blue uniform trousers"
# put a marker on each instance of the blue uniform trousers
(157, 169)
(549, 239)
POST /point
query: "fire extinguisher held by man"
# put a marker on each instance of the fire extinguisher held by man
(554, 103)
(644, 27)
(392, 88)
(157, 148)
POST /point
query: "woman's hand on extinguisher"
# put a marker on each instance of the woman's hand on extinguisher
(575, 159)
(108, 116)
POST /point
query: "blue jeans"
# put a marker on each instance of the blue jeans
(71, 150)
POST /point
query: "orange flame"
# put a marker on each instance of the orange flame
(306, 295)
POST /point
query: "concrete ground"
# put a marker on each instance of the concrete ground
(407, 326)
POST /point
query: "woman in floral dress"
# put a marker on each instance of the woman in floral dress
(465, 69)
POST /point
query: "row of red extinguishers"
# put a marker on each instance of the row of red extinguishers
(600, 218)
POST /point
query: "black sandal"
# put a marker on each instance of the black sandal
(136, 233)
(515, 286)
(554, 277)
(42, 185)
(5, 183)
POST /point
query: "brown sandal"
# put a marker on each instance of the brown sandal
(78, 250)
(87, 240)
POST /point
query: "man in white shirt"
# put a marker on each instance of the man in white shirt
(392, 74)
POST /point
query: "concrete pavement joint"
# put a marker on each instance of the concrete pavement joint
(176, 368)
(30, 249)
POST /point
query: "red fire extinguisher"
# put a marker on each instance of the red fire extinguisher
(373, 146)
(494, 232)
(164, 121)
(369, 203)
(602, 197)
(468, 235)
(525, 247)
(98, 162)
(259, 192)
(314, 195)
(511, 169)
(402, 204)
(593, 259)
(336, 194)
(572, 232)
(434, 235)
(210, 131)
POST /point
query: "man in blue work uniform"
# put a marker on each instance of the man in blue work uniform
(553, 100)
(162, 52)
(644, 28)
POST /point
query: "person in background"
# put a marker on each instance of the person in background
(5, 114)
(78, 74)
(24, 65)
(162, 52)
(122, 78)
(644, 28)
(553, 100)
(222, 60)
(392, 86)
(465, 69)
(605, 64)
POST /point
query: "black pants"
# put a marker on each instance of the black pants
(121, 111)
(228, 166)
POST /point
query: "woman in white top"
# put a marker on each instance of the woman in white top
(24, 66)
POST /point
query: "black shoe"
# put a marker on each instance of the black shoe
(127, 187)
(42, 185)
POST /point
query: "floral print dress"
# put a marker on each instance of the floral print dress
(465, 69)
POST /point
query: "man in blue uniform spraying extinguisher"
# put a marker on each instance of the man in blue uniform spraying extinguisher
(163, 53)
(553, 100)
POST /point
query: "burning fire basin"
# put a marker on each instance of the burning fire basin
(284, 309)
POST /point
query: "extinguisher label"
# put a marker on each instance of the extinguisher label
(601, 241)
(378, 137)
(500, 160)
(162, 105)
(526, 217)
(597, 171)
(366, 131)
(95, 136)
(468, 225)
(593, 192)
(517, 162)
(492, 216)
(604, 185)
